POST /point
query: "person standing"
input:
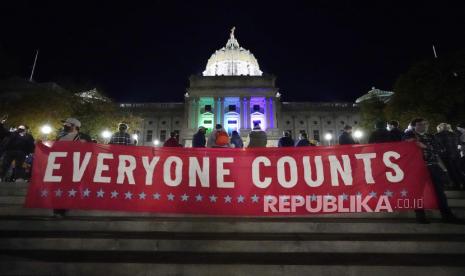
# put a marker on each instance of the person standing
(236, 140)
(394, 131)
(431, 148)
(286, 140)
(257, 137)
(303, 141)
(380, 134)
(172, 142)
(450, 155)
(199, 140)
(121, 137)
(70, 133)
(218, 138)
(346, 137)
(17, 146)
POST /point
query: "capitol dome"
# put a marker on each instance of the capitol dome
(232, 60)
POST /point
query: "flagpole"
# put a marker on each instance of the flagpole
(34, 65)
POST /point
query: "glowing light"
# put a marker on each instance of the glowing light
(46, 129)
(328, 136)
(156, 142)
(135, 136)
(358, 134)
(106, 134)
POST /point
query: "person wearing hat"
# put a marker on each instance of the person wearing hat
(121, 137)
(18, 145)
(71, 132)
(199, 140)
(380, 134)
(346, 137)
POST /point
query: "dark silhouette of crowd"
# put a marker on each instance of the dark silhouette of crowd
(443, 152)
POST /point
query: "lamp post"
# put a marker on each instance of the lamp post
(328, 137)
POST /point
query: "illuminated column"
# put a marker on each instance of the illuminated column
(264, 125)
(215, 111)
(220, 111)
(195, 116)
(245, 123)
(248, 113)
(272, 113)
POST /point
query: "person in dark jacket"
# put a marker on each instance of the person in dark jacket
(346, 137)
(394, 131)
(303, 140)
(450, 154)
(172, 141)
(199, 140)
(431, 149)
(236, 140)
(18, 145)
(286, 140)
(380, 134)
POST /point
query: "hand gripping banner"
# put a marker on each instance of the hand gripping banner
(237, 182)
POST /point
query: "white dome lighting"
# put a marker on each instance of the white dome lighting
(232, 60)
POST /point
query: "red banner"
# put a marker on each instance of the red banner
(241, 182)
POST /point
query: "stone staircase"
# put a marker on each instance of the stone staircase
(32, 242)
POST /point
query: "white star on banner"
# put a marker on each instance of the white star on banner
(388, 193)
(128, 195)
(198, 197)
(142, 195)
(344, 196)
(100, 193)
(170, 196)
(213, 198)
(72, 193)
(240, 199)
(372, 193)
(86, 193)
(58, 193)
(403, 193)
(328, 196)
(227, 199)
(313, 197)
(114, 194)
(184, 197)
(255, 198)
(268, 198)
(156, 196)
(44, 193)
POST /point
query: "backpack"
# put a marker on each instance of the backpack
(222, 138)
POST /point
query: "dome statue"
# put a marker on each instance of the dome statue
(232, 60)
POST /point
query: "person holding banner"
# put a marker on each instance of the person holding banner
(431, 149)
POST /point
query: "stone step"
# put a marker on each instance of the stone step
(19, 211)
(231, 225)
(382, 265)
(233, 246)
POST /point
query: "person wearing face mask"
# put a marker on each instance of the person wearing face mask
(431, 149)
(18, 145)
(71, 131)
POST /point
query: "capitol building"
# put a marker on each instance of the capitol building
(234, 92)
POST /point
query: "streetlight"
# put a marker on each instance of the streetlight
(156, 142)
(106, 134)
(358, 134)
(46, 130)
(328, 137)
(135, 136)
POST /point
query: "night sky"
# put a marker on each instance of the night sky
(145, 51)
